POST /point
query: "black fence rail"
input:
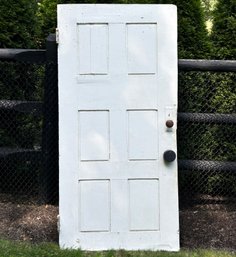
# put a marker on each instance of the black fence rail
(23, 55)
(206, 130)
(207, 65)
(22, 106)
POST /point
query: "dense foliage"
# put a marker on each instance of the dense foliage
(18, 23)
(224, 29)
(193, 40)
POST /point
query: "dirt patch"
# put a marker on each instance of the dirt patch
(207, 226)
(208, 229)
(28, 222)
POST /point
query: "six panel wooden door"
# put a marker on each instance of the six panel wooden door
(117, 89)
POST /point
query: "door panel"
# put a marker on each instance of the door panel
(144, 210)
(93, 49)
(142, 134)
(142, 48)
(94, 200)
(94, 135)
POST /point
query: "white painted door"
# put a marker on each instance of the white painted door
(117, 89)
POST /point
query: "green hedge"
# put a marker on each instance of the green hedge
(224, 30)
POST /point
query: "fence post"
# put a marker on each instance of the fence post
(49, 188)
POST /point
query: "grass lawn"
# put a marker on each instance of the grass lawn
(15, 249)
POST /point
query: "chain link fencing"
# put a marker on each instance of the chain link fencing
(210, 136)
(24, 132)
(28, 141)
(20, 128)
(206, 140)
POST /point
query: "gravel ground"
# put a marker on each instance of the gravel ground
(202, 227)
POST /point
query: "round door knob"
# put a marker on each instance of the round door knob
(169, 156)
(169, 123)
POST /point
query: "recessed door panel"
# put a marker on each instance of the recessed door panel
(142, 134)
(94, 205)
(93, 49)
(142, 48)
(144, 204)
(94, 135)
